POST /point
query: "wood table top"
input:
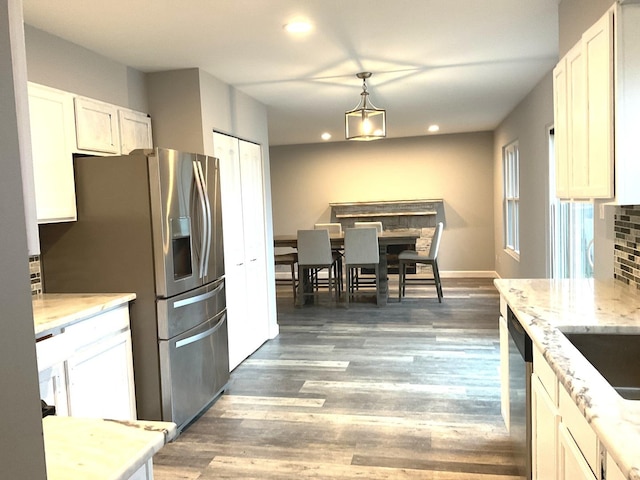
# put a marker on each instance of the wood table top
(391, 237)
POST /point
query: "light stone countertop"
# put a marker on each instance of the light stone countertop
(545, 308)
(54, 311)
(96, 449)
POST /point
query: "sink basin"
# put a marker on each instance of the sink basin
(615, 356)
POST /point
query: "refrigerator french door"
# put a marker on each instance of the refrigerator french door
(151, 223)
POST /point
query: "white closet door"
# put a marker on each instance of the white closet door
(226, 150)
(255, 249)
(242, 188)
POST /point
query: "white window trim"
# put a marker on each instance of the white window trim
(511, 199)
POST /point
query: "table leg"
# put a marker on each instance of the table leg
(383, 281)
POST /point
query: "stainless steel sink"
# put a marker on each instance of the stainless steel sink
(615, 356)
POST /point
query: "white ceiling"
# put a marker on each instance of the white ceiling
(463, 64)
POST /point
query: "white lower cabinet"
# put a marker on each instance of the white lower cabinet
(109, 393)
(613, 471)
(584, 438)
(145, 472)
(564, 446)
(571, 463)
(544, 419)
(53, 388)
(87, 370)
(504, 370)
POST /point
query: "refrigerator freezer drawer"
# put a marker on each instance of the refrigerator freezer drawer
(195, 369)
(178, 314)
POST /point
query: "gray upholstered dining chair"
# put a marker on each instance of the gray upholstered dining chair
(334, 229)
(290, 260)
(376, 225)
(408, 257)
(314, 255)
(360, 251)
(360, 277)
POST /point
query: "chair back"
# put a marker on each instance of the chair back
(435, 241)
(361, 246)
(314, 247)
(332, 227)
(376, 225)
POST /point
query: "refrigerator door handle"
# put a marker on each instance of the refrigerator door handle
(203, 240)
(207, 250)
(198, 298)
(200, 336)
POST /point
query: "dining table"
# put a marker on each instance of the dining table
(386, 239)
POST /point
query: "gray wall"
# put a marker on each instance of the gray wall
(457, 168)
(187, 106)
(528, 123)
(60, 64)
(574, 17)
(21, 444)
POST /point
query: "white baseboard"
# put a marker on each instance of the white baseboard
(468, 274)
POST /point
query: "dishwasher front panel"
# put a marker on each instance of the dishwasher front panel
(194, 370)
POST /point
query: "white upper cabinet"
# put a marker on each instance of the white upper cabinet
(598, 67)
(135, 130)
(583, 108)
(57, 133)
(627, 102)
(52, 131)
(597, 111)
(96, 126)
(561, 128)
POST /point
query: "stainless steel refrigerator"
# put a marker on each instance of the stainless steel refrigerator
(151, 223)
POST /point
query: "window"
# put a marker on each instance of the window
(571, 232)
(511, 169)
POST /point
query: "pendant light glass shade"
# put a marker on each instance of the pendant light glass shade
(365, 122)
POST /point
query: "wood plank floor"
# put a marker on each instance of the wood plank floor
(408, 391)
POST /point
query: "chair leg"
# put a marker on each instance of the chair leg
(377, 285)
(301, 283)
(436, 276)
(293, 280)
(348, 289)
(401, 270)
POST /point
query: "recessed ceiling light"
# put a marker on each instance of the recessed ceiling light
(326, 136)
(299, 26)
(433, 128)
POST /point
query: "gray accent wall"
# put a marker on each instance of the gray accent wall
(457, 168)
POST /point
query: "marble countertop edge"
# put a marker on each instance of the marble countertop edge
(546, 309)
(54, 311)
(81, 448)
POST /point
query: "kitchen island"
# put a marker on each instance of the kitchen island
(97, 449)
(547, 309)
(84, 362)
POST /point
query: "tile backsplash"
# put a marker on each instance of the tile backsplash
(36, 275)
(626, 267)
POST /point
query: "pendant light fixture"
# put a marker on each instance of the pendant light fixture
(365, 122)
